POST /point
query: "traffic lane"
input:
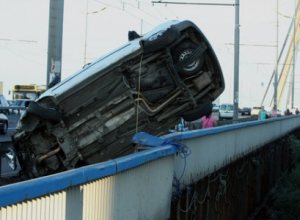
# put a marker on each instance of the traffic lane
(13, 120)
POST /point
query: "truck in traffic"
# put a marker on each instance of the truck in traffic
(27, 91)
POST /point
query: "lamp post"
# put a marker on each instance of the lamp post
(275, 83)
(86, 27)
(236, 60)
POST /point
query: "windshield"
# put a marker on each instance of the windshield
(24, 95)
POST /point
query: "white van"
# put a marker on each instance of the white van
(226, 111)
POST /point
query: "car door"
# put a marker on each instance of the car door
(230, 111)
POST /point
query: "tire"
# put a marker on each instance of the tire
(160, 41)
(197, 113)
(5, 128)
(45, 113)
(188, 58)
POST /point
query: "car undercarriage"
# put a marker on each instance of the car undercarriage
(143, 86)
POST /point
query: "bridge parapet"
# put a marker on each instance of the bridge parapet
(211, 149)
(102, 191)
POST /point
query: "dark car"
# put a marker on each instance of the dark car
(22, 103)
(215, 107)
(3, 124)
(246, 111)
(145, 85)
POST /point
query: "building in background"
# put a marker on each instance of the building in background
(1, 88)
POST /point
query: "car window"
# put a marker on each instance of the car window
(223, 107)
(230, 107)
(17, 103)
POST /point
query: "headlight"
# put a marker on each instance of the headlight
(156, 35)
(11, 159)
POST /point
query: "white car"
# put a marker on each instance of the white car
(278, 112)
(226, 111)
(145, 85)
(268, 111)
(215, 107)
(255, 111)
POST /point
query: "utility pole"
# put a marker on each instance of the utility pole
(55, 36)
(294, 60)
(236, 60)
(276, 61)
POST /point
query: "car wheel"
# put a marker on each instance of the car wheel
(46, 113)
(5, 128)
(197, 113)
(160, 40)
(188, 58)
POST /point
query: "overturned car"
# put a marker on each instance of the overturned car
(145, 85)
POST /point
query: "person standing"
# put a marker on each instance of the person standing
(297, 111)
(208, 121)
(287, 112)
(273, 113)
(262, 114)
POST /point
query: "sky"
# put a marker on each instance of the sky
(24, 33)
